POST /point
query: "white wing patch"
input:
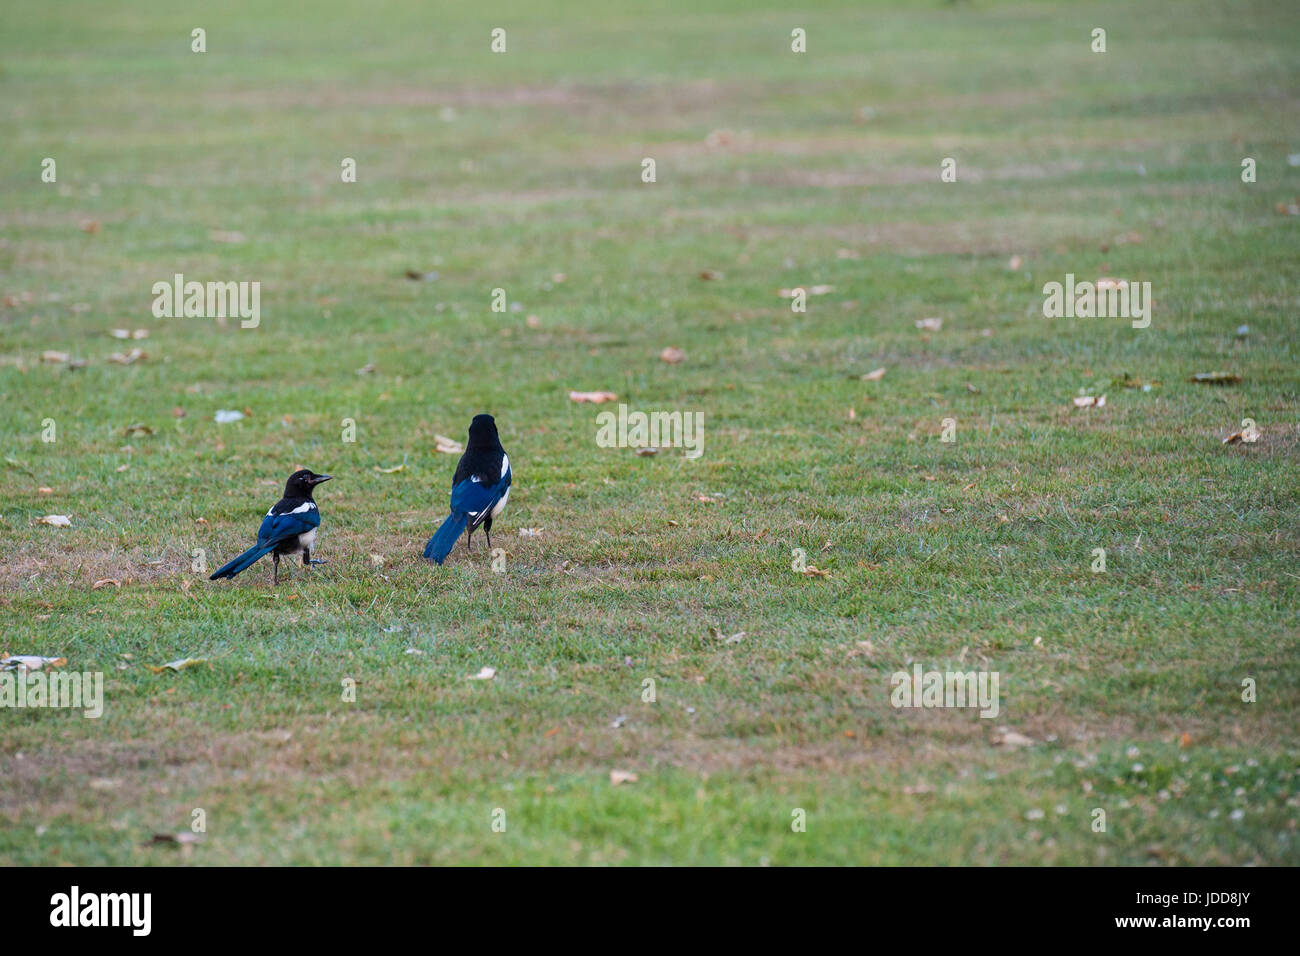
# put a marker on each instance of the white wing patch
(505, 465)
(301, 509)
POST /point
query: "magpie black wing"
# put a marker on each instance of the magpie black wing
(277, 528)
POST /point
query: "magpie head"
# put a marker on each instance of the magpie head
(301, 483)
(483, 432)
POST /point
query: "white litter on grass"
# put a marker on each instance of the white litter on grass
(225, 416)
(487, 673)
(29, 662)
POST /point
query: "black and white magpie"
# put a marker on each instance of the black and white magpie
(289, 527)
(479, 489)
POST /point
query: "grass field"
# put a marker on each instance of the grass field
(522, 171)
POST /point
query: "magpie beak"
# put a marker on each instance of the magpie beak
(317, 479)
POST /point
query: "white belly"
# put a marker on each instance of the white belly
(500, 506)
(305, 541)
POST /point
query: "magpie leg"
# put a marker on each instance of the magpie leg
(469, 541)
(306, 557)
(487, 530)
(275, 560)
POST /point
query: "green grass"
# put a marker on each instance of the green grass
(503, 170)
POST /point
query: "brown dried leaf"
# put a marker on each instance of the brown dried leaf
(448, 446)
(594, 397)
(179, 664)
(1011, 740)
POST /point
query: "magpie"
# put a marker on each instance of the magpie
(289, 527)
(479, 489)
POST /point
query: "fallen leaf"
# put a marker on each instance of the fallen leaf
(1215, 378)
(929, 325)
(54, 357)
(448, 446)
(56, 521)
(810, 289)
(184, 838)
(1012, 740)
(875, 375)
(533, 322)
(622, 776)
(179, 664)
(417, 276)
(1090, 401)
(44, 490)
(367, 369)
(90, 225)
(1015, 263)
(105, 582)
(137, 428)
(530, 532)
(487, 673)
(710, 274)
(647, 452)
(812, 571)
(594, 397)
(128, 358)
(672, 355)
(390, 471)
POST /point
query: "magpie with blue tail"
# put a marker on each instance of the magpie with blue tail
(479, 490)
(289, 527)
